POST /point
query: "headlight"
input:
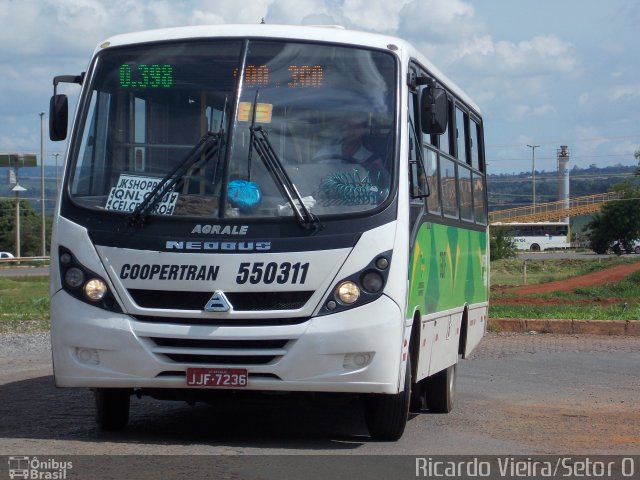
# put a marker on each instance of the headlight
(74, 277)
(372, 282)
(348, 292)
(83, 284)
(95, 289)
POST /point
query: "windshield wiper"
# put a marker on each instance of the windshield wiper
(259, 141)
(208, 140)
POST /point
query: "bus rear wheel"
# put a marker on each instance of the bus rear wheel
(535, 247)
(386, 415)
(112, 408)
(441, 390)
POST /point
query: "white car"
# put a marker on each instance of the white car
(618, 249)
(6, 255)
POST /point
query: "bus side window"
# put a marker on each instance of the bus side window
(461, 136)
(446, 145)
(474, 144)
(466, 195)
(433, 172)
(449, 187)
(480, 212)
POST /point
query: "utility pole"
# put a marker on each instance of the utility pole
(17, 189)
(533, 173)
(44, 242)
(56, 155)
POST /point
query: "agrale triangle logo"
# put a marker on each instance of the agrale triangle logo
(217, 303)
(34, 468)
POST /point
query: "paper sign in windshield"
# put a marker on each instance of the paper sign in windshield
(131, 190)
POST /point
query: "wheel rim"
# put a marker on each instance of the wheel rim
(452, 382)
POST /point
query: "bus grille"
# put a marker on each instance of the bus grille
(240, 301)
(223, 322)
(219, 352)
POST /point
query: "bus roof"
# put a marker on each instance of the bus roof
(320, 33)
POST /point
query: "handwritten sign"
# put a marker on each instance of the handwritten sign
(131, 190)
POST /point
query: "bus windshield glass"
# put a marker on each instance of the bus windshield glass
(289, 122)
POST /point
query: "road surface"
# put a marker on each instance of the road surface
(520, 394)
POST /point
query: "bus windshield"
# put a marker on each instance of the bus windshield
(324, 114)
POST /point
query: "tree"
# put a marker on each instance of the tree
(618, 223)
(30, 228)
(501, 244)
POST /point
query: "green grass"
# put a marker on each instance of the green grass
(24, 304)
(609, 301)
(572, 312)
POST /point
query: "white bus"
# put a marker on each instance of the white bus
(213, 234)
(538, 236)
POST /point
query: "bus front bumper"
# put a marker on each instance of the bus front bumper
(357, 351)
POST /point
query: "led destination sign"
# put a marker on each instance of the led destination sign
(300, 76)
(140, 75)
(145, 76)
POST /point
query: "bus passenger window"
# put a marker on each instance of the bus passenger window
(474, 145)
(466, 196)
(461, 135)
(445, 143)
(449, 188)
(478, 200)
(431, 165)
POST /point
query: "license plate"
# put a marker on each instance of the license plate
(217, 377)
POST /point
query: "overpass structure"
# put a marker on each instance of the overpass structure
(553, 211)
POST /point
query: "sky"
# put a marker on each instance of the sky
(544, 72)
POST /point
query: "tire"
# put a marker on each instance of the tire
(386, 415)
(637, 249)
(112, 408)
(441, 390)
(418, 401)
(535, 247)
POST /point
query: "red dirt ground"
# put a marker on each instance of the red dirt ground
(608, 275)
(613, 274)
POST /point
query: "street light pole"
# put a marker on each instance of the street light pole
(17, 189)
(56, 155)
(44, 242)
(533, 172)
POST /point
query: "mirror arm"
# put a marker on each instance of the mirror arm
(79, 79)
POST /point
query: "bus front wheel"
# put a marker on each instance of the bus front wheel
(112, 408)
(441, 390)
(386, 415)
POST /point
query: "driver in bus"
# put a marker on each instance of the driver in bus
(352, 149)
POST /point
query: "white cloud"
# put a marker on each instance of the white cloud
(626, 147)
(583, 99)
(523, 111)
(377, 16)
(541, 55)
(588, 137)
(544, 110)
(625, 92)
(301, 12)
(439, 21)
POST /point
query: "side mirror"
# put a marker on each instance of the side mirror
(434, 110)
(58, 117)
